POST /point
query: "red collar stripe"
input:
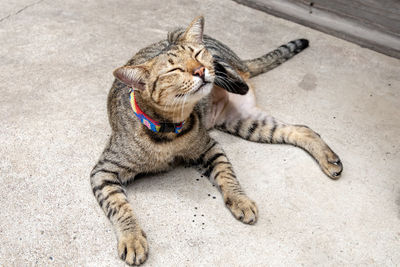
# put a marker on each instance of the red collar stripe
(149, 122)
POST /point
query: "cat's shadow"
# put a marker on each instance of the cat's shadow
(179, 179)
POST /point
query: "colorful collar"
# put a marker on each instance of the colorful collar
(158, 127)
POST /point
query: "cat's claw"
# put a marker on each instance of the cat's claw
(243, 208)
(133, 248)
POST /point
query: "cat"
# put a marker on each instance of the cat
(160, 108)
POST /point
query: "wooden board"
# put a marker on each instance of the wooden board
(374, 24)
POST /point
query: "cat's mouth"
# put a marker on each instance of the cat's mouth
(200, 87)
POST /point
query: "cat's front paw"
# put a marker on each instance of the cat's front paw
(243, 208)
(133, 248)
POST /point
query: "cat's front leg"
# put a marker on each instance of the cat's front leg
(214, 164)
(110, 194)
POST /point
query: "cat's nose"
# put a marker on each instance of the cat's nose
(199, 71)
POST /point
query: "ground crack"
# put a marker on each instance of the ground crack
(22, 9)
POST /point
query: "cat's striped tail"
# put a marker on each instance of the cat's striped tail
(275, 58)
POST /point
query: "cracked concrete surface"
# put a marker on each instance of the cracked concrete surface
(56, 68)
(9, 9)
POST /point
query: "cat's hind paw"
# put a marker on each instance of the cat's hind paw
(331, 165)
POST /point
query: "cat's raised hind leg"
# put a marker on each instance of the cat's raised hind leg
(242, 118)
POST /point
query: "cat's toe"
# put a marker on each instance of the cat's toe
(133, 248)
(243, 209)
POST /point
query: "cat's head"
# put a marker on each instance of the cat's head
(183, 74)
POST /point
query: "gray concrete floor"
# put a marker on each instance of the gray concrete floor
(57, 59)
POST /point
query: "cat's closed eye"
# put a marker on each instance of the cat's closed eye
(174, 69)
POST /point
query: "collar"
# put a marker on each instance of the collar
(155, 126)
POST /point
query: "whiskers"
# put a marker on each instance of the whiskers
(178, 101)
(183, 105)
(178, 104)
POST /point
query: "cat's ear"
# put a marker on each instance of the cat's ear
(228, 78)
(194, 33)
(132, 76)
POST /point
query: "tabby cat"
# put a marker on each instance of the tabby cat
(160, 108)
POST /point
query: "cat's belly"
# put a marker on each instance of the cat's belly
(219, 100)
(226, 105)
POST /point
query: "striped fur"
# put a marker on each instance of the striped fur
(195, 78)
(275, 58)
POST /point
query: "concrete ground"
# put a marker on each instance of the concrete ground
(57, 59)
